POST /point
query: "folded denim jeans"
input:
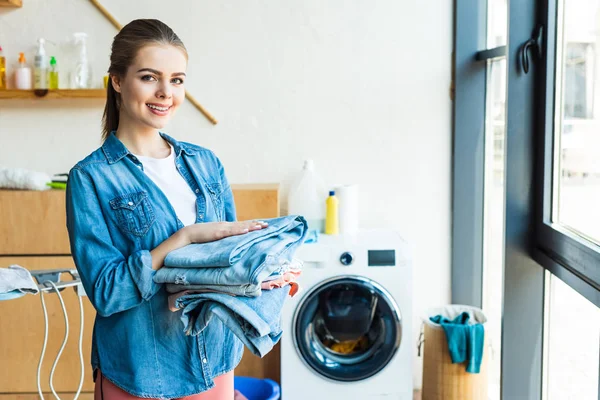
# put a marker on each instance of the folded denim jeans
(254, 320)
(236, 260)
(235, 290)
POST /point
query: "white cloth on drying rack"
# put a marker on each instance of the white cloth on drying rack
(17, 279)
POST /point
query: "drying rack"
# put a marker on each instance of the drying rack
(50, 281)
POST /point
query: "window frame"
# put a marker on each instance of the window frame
(532, 244)
(570, 257)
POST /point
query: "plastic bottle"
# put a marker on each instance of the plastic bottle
(53, 74)
(40, 67)
(23, 74)
(332, 225)
(307, 197)
(2, 70)
(81, 78)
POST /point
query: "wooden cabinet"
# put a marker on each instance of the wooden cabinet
(33, 234)
(22, 335)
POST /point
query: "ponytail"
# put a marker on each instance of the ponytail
(110, 119)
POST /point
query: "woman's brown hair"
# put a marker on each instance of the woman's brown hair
(125, 47)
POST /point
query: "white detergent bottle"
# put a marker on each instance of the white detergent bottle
(307, 197)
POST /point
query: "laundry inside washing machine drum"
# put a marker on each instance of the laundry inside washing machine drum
(347, 329)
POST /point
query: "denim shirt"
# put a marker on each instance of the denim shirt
(115, 216)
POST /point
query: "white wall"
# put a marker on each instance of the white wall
(359, 86)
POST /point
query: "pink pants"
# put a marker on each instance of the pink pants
(223, 390)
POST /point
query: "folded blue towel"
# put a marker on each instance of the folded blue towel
(465, 340)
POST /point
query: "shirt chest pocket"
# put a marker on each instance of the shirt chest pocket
(133, 212)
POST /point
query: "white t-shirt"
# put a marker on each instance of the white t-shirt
(164, 174)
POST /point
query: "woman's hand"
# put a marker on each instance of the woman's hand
(212, 231)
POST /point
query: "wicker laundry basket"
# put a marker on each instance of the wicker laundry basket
(443, 380)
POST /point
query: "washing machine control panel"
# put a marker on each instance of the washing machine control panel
(381, 258)
(346, 258)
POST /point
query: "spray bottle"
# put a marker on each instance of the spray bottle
(82, 76)
(40, 67)
(53, 74)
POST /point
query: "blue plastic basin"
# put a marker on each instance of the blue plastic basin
(257, 389)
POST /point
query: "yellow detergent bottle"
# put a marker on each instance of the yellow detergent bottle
(332, 226)
(2, 70)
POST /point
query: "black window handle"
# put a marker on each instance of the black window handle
(534, 44)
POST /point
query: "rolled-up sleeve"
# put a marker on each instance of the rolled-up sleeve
(113, 282)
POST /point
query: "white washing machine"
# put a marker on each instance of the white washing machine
(347, 332)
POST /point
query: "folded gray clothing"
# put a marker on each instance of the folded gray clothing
(236, 290)
(17, 278)
(236, 260)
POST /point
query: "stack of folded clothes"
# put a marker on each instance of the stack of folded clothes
(242, 280)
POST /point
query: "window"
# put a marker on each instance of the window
(526, 190)
(573, 329)
(577, 129)
(569, 231)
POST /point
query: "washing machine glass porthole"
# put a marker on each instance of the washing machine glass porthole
(347, 328)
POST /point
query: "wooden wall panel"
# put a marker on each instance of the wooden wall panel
(33, 222)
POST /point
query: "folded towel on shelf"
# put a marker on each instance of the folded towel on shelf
(254, 320)
(17, 279)
(20, 178)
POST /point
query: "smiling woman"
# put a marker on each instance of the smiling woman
(149, 96)
(138, 197)
(147, 71)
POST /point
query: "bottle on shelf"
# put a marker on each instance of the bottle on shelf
(81, 77)
(40, 67)
(307, 197)
(2, 70)
(23, 74)
(53, 74)
(332, 225)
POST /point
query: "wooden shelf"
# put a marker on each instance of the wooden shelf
(53, 94)
(11, 3)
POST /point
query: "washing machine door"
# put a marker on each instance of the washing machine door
(347, 328)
